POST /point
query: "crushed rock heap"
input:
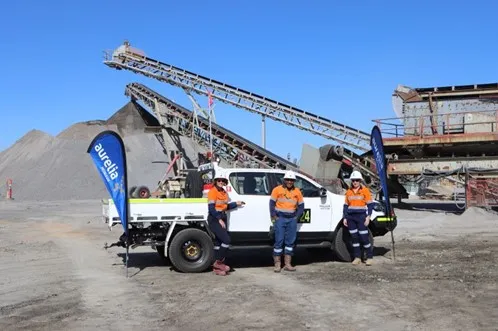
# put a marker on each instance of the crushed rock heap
(44, 167)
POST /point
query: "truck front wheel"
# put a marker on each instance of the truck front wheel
(342, 244)
(191, 250)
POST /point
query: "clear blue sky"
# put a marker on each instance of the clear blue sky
(341, 60)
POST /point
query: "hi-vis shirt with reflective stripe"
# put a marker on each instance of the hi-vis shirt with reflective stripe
(219, 198)
(358, 201)
(286, 201)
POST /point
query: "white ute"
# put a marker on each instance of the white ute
(177, 227)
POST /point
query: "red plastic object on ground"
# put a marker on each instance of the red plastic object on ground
(9, 189)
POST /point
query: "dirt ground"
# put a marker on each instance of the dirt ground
(57, 276)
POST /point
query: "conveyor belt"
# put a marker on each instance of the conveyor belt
(125, 57)
(228, 144)
(129, 58)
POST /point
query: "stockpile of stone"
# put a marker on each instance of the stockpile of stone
(44, 167)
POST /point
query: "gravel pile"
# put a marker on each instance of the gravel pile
(44, 167)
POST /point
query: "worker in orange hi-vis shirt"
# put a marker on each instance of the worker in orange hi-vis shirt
(218, 205)
(358, 207)
(286, 207)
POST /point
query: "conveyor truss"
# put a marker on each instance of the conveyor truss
(226, 144)
(129, 58)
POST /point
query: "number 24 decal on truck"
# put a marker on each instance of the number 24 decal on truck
(306, 218)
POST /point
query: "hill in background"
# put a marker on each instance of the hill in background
(44, 167)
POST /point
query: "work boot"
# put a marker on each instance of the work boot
(369, 261)
(278, 263)
(288, 266)
(356, 261)
(218, 264)
(219, 272)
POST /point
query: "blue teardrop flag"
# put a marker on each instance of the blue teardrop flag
(380, 161)
(109, 156)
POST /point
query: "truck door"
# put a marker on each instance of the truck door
(317, 210)
(253, 188)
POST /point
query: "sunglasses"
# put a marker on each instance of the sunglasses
(355, 180)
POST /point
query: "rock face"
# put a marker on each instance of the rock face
(44, 167)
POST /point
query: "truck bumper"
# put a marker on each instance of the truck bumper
(382, 225)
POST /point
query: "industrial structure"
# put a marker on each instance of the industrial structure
(446, 132)
(438, 132)
(352, 141)
(231, 149)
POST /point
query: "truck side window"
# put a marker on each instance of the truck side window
(249, 183)
(307, 189)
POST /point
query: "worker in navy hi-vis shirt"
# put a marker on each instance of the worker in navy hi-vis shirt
(358, 207)
(286, 208)
(218, 205)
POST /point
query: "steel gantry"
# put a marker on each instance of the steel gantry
(126, 57)
(129, 58)
(229, 146)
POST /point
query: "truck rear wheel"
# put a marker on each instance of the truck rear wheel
(191, 250)
(342, 244)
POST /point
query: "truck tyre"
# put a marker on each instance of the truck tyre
(193, 185)
(191, 251)
(143, 192)
(342, 244)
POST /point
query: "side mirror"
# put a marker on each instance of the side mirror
(322, 192)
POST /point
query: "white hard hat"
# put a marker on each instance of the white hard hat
(290, 175)
(220, 174)
(356, 175)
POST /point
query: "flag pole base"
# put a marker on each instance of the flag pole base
(127, 257)
(393, 255)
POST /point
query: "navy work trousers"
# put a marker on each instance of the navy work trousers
(285, 233)
(222, 239)
(359, 234)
